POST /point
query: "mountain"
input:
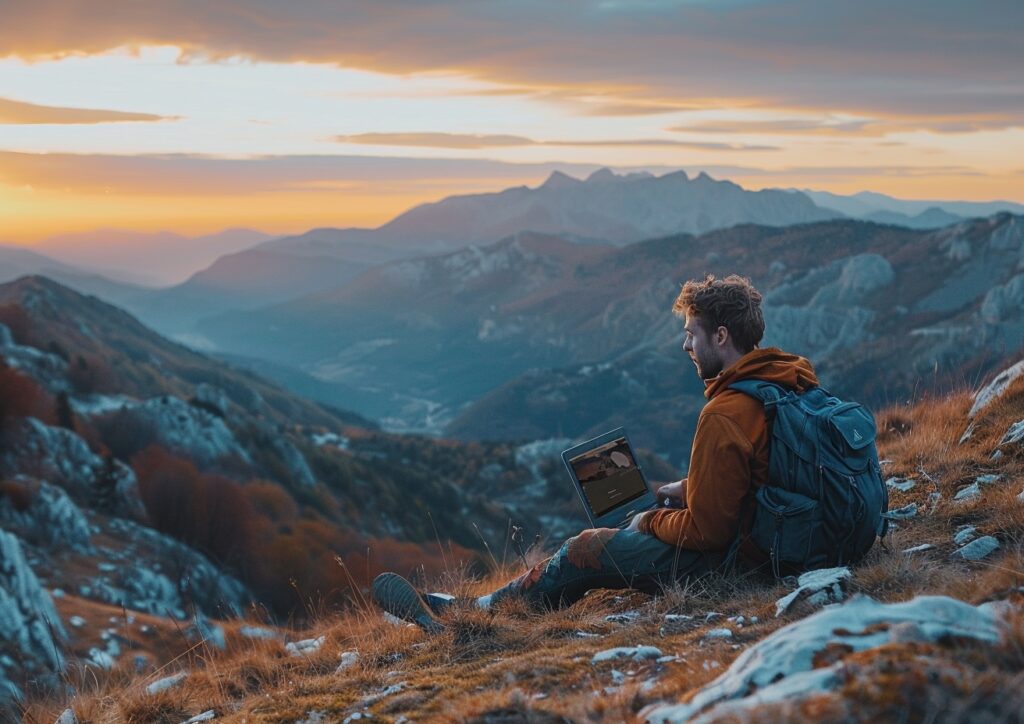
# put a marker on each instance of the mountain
(17, 261)
(537, 337)
(256, 277)
(143, 481)
(604, 208)
(149, 259)
(930, 218)
(865, 204)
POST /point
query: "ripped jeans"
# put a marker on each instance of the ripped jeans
(606, 558)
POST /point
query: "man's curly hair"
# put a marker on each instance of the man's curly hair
(732, 303)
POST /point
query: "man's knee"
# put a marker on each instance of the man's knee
(584, 550)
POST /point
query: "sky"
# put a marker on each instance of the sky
(197, 115)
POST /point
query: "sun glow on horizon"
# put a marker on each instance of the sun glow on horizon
(142, 138)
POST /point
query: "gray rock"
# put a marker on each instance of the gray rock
(901, 484)
(818, 587)
(990, 392)
(905, 513)
(977, 549)
(1003, 302)
(29, 623)
(971, 492)
(51, 519)
(965, 535)
(59, 456)
(918, 548)
(1014, 435)
(212, 396)
(166, 683)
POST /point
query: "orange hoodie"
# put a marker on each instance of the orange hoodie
(729, 454)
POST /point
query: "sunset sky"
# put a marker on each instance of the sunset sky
(196, 115)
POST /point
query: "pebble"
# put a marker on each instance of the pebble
(905, 513)
(901, 484)
(965, 535)
(624, 617)
(637, 653)
(988, 479)
(77, 621)
(919, 549)
(348, 660)
(971, 492)
(205, 716)
(718, 633)
(168, 682)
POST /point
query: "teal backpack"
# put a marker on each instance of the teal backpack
(825, 501)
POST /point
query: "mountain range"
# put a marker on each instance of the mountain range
(537, 336)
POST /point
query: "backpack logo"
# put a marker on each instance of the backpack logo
(857, 436)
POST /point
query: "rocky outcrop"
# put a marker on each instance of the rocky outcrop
(794, 663)
(158, 574)
(990, 392)
(45, 367)
(28, 620)
(51, 519)
(185, 429)
(1004, 302)
(59, 456)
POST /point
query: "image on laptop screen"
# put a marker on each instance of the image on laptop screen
(609, 476)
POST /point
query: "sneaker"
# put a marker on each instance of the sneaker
(399, 598)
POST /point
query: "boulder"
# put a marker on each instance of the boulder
(990, 392)
(51, 519)
(29, 623)
(785, 667)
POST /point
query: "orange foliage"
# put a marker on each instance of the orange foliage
(271, 500)
(21, 396)
(209, 512)
(91, 374)
(17, 320)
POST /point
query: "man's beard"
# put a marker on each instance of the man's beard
(708, 366)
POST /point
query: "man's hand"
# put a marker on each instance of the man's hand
(673, 495)
(634, 522)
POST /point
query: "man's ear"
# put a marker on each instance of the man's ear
(721, 336)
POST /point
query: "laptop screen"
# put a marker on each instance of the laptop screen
(609, 476)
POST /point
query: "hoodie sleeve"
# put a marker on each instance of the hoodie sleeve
(717, 482)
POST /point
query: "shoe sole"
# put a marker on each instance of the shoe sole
(400, 598)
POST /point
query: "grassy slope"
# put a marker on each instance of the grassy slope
(514, 665)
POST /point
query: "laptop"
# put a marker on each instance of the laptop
(609, 480)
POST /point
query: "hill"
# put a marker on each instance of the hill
(928, 627)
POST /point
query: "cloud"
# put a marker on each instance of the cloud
(475, 141)
(192, 174)
(21, 113)
(916, 59)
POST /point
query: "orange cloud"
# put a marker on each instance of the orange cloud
(21, 113)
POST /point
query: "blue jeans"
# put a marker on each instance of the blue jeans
(607, 558)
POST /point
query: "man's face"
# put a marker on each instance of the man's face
(702, 350)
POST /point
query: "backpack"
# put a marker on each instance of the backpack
(825, 500)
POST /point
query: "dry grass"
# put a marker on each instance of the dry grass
(517, 665)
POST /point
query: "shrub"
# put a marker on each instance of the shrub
(21, 396)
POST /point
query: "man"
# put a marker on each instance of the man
(729, 460)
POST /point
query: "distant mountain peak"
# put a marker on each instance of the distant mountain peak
(603, 175)
(559, 180)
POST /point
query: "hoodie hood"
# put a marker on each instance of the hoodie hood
(771, 365)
